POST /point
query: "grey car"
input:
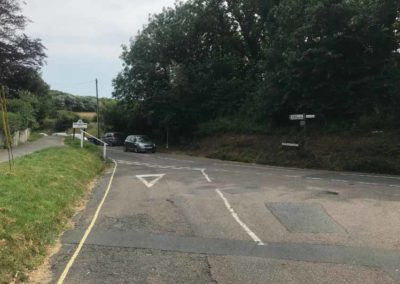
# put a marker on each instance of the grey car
(113, 139)
(139, 144)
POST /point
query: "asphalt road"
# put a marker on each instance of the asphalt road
(179, 219)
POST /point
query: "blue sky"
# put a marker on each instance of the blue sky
(84, 37)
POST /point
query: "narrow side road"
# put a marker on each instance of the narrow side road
(30, 147)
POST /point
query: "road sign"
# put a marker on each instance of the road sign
(296, 117)
(79, 125)
(301, 116)
(290, 144)
(154, 179)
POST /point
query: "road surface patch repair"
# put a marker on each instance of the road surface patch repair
(304, 218)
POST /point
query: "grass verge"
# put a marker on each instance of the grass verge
(36, 201)
(373, 153)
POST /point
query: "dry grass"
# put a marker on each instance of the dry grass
(87, 116)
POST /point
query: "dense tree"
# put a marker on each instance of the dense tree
(20, 56)
(258, 61)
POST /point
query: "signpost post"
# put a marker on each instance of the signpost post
(302, 118)
(80, 125)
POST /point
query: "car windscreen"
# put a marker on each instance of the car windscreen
(144, 139)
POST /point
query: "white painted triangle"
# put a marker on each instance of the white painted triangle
(153, 181)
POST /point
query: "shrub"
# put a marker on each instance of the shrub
(64, 120)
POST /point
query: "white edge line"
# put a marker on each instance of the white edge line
(236, 217)
(88, 230)
(203, 171)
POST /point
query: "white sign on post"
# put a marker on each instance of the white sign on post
(79, 125)
(301, 116)
(296, 116)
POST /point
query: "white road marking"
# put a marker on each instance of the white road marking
(236, 217)
(234, 214)
(149, 184)
(88, 230)
(203, 171)
(314, 178)
(177, 160)
(374, 176)
(340, 180)
(270, 174)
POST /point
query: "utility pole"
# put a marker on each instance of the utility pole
(97, 110)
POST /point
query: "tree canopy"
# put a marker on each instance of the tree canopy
(20, 56)
(258, 61)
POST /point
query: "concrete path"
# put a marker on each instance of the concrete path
(179, 219)
(30, 147)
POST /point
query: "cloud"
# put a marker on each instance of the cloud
(77, 30)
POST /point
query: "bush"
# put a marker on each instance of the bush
(64, 120)
(14, 122)
(49, 123)
(230, 125)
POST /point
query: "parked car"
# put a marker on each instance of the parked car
(113, 139)
(139, 143)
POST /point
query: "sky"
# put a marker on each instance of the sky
(84, 37)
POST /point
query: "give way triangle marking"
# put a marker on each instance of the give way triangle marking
(150, 180)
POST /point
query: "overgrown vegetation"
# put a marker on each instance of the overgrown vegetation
(216, 65)
(373, 152)
(36, 201)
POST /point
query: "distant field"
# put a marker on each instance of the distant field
(86, 115)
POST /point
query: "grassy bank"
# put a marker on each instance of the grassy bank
(36, 200)
(374, 153)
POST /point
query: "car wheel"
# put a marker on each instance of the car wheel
(153, 151)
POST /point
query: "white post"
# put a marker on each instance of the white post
(81, 138)
(105, 151)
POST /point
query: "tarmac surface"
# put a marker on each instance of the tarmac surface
(179, 219)
(30, 147)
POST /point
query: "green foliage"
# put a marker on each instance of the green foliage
(230, 125)
(64, 120)
(25, 111)
(20, 56)
(65, 101)
(259, 61)
(14, 120)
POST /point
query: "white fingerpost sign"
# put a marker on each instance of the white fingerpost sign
(79, 125)
(296, 117)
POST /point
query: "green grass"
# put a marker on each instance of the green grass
(36, 201)
(34, 136)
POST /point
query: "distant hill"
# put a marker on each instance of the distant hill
(71, 102)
